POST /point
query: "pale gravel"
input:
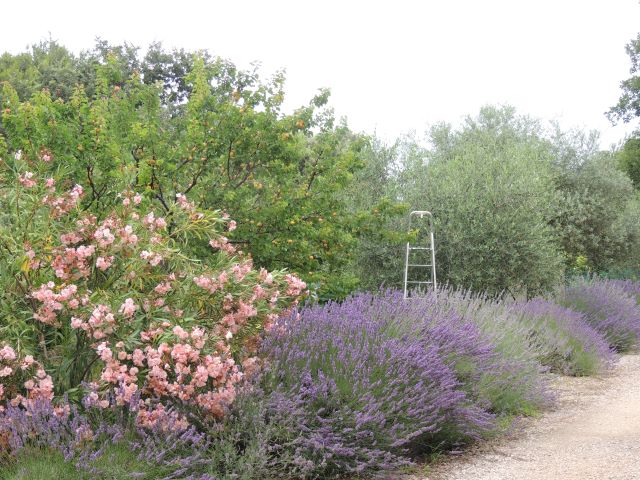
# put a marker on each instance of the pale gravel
(592, 434)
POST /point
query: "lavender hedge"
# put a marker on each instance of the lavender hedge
(565, 342)
(355, 387)
(375, 380)
(514, 386)
(608, 308)
(630, 287)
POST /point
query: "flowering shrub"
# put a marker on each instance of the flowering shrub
(514, 385)
(565, 342)
(608, 309)
(20, 375)
(159, 453)
(119, 301)
(630, 287)
(370, 382)
(41, 424)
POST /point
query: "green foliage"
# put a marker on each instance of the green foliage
(382, 234)
(598, 215)
(514, 204)
(629, 158)
(628, 106)
(40, 464)
(198, 125)
(489, 186)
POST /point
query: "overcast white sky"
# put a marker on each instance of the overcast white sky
(392, 66)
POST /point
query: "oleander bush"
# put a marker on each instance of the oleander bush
(119, 305)
(608, 308)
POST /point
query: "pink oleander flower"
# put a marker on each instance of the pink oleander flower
(104, 352)
(179, 332)
(26, 180)
(149, 220)
(127, 236)
(153, 258)
(64, 203)
(76, 322)
(71, 238)
(296, 286)
(128, 308)
(104, 237)
(222, 244)
(27, 361)
(104, 263)
(162, 288)
(138, 357)
(7, 353)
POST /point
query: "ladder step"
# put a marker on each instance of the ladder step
(417, 265)
(419, 282)
(419, 248)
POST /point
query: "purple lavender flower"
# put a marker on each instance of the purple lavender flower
(565, 342)
(368, 383)
(608, 308)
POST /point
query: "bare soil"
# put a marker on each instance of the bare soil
(592, 434)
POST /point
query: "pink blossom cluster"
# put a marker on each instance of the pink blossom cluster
(22, 380)
(33, 263)
(295, 285)
(212, 283)
(26, 180)
(223, 244)
(152, 223)
(64, 203)
(128, 196)
(73, 263)
(103, 263)
(52, 303)
(153, 258)
(180, 369)
(156, 416)
(101, 322)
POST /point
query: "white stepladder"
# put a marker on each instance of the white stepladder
(431, 262)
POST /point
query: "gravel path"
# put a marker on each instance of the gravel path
(593, 434)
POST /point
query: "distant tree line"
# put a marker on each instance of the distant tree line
(517, 204)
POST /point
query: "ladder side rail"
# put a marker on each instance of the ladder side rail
(406, 272)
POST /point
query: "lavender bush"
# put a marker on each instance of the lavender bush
(351, 388)
(562, 338)
(370, 382)
(91, 443)
(607, 308)
(514, 384)
(41, 425)
(630, 287)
